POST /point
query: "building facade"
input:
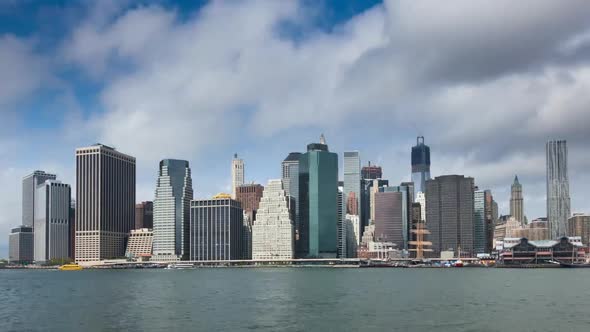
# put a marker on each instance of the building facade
(579, 225)
(318, 199)
(30, 184)
(420, 165)
(249, 196)
(389, 218)
(216, 229)
(421, 199)
(449, 211)
(516, 201)
(20, 245)
(273, 233)
(144, 215)
(140, 244)
(174, 193)
(237, 174)
(105, 202)
(52, 221)
(290, 177)
(558, 188)
(352, 222)
(341, 227)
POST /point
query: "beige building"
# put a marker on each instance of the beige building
(140, 243)
(579, 225)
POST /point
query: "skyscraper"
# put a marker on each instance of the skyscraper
(290, 177)
(273, 233)
(144, 215)
(516, 201)
(420, 165)
(318, 199)
(30, 184)
(421, 199)
(371, 172)
(105, 202)
(216, 229)
(341, 227)
(389, 217)
(491, 215)
(174, 193)
(479, 222)
(52, 221)
(558, 188)
(352, 182)
(237, 174)
(449, 211)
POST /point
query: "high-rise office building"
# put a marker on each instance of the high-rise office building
(105, 202)
(273, 233)
(20, 245)
(449, 211)
(558, 188)
(516, 201)
(579, 225)
(290, 177)
(72, 229)
(352, 181)
(406, 188)
(389, 217)
(216, 229)
(249, 196)
(371, 172)
(144, 215)
(479, 222)
(420, 165)
(52, 221)
(341, 227)
(174, 193)
(491, 216)
(30, 184)
(237, 174)
(318, 201)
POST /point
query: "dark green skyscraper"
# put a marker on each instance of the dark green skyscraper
(318, 197)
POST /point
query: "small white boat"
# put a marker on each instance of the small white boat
(179, 266)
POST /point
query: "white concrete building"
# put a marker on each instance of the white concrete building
(273, 233)
(237, 174)
(140, 243)
(421, 198)
(52, 221)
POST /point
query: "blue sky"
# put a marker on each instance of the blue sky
(200, 80)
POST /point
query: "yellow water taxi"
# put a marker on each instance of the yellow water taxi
(70, 267)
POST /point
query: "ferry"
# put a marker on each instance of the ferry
(70, 267)
(179, 266)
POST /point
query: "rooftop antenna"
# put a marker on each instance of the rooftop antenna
(322, 139)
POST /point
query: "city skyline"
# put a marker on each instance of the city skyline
(70, 91)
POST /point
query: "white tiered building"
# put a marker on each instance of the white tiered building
(273, 232)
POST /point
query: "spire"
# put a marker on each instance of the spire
(235, 156)
(322, 139)
(516, 179)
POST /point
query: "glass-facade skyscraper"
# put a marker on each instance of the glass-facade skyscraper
(30, 184)
(558, 188)
(479, 221)
(318, 201)
(420, 165)
(174, 193)
(352, 184)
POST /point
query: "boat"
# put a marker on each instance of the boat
(573, 265)
(458, 263)
(70, 267)
(179, 266)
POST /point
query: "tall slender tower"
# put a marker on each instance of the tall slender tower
(558, 188)
(52, 221)
(105, 202)
(171, 216)
(290, 178)
(516, 201)
(318, 198)
(420, 165)
(352, 182)
(237, 174)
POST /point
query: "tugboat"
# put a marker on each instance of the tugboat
(70, 267)
(458, 263)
